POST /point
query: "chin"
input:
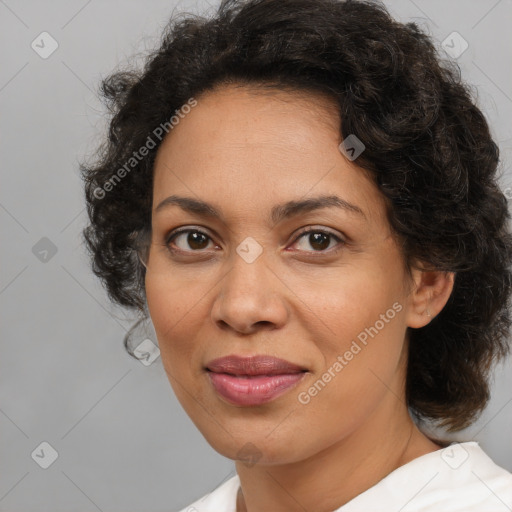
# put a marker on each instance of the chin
(251, 449)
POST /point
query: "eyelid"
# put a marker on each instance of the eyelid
(186, 229)
(313, 229)
(318, 229)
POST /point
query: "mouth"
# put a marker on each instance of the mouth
(250, 381)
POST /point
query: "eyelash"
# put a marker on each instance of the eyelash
(306, 231)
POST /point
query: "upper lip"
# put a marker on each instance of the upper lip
(253, 365)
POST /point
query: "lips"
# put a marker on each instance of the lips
(255, 380)
(253, 365)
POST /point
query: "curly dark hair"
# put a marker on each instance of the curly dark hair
(428, 148)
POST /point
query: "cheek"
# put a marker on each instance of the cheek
(349, 301)
(172, 306)
(175, 308)
(358, 329)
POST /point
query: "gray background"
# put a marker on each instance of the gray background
(122, 439)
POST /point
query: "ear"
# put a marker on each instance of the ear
(430, 293)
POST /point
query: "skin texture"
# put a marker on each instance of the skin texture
(244, 151)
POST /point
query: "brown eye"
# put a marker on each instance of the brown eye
(194, 239)
(319, 240)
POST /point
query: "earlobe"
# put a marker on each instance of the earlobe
(431, 292)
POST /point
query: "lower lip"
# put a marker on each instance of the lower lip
(254, 390)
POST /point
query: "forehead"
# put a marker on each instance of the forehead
(242, 117)
(257, 145)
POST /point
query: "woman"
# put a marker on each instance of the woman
(303, 198)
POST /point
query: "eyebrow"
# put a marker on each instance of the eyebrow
(278, 212)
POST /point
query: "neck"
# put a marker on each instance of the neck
(339, 473)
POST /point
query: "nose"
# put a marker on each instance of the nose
(251, 297)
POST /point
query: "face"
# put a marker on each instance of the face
(333, 301)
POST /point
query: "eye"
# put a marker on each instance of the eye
(195, 239)
(319, 239)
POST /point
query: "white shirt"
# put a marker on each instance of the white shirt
(458, 478)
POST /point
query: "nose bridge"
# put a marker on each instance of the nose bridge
(249, 292)
(247, 278)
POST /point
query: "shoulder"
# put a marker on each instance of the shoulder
(481, 477)
(458, 478)
(223, 497)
